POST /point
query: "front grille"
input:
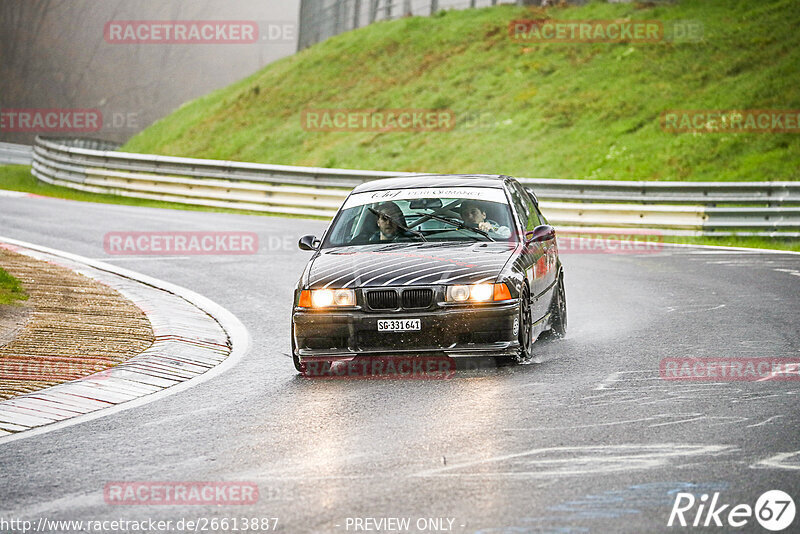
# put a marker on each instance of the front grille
(417, 298)
(383, 299)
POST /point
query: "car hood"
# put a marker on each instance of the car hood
(403, 264)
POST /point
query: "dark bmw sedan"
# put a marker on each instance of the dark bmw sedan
(438, 265)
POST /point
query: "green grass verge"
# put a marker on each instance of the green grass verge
(549, 110)
(19, 178)
(11, 290)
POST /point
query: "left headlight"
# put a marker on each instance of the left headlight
(478, 293)
(326, 298)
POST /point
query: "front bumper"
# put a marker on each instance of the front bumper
(479, 330)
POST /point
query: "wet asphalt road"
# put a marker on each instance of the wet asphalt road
(588, 440)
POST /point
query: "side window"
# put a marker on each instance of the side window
(520, 203)
(342, 230)
(542, 220)
(531, 218)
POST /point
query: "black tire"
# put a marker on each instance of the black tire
(301, 367)
(525, 352)
(558, 311)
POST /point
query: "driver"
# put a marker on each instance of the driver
(473, 213)
(388, 229)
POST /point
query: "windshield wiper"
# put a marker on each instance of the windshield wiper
(406, 228)
(458, 224)
(426, 216)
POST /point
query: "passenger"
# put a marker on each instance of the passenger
(389, 222)
(473, 212)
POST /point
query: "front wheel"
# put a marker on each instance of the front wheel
(525, 353)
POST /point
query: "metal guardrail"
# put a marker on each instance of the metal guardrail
(12, 154)
(678, 208)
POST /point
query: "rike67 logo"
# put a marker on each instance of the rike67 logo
(774, 510)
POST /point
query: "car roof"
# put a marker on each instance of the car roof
(433, 180)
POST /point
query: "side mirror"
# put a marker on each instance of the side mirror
(308, 242)
(541, 233)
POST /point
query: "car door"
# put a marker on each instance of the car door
(528, 256)
(542, 255)
(547, 266)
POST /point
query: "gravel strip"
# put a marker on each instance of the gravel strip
(75, 327)
(187, 343)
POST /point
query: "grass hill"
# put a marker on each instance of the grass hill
(570, 110)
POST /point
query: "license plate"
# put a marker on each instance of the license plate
(399, 325)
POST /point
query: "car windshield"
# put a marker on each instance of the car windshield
(424, 214)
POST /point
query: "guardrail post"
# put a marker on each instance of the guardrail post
(357, 14)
